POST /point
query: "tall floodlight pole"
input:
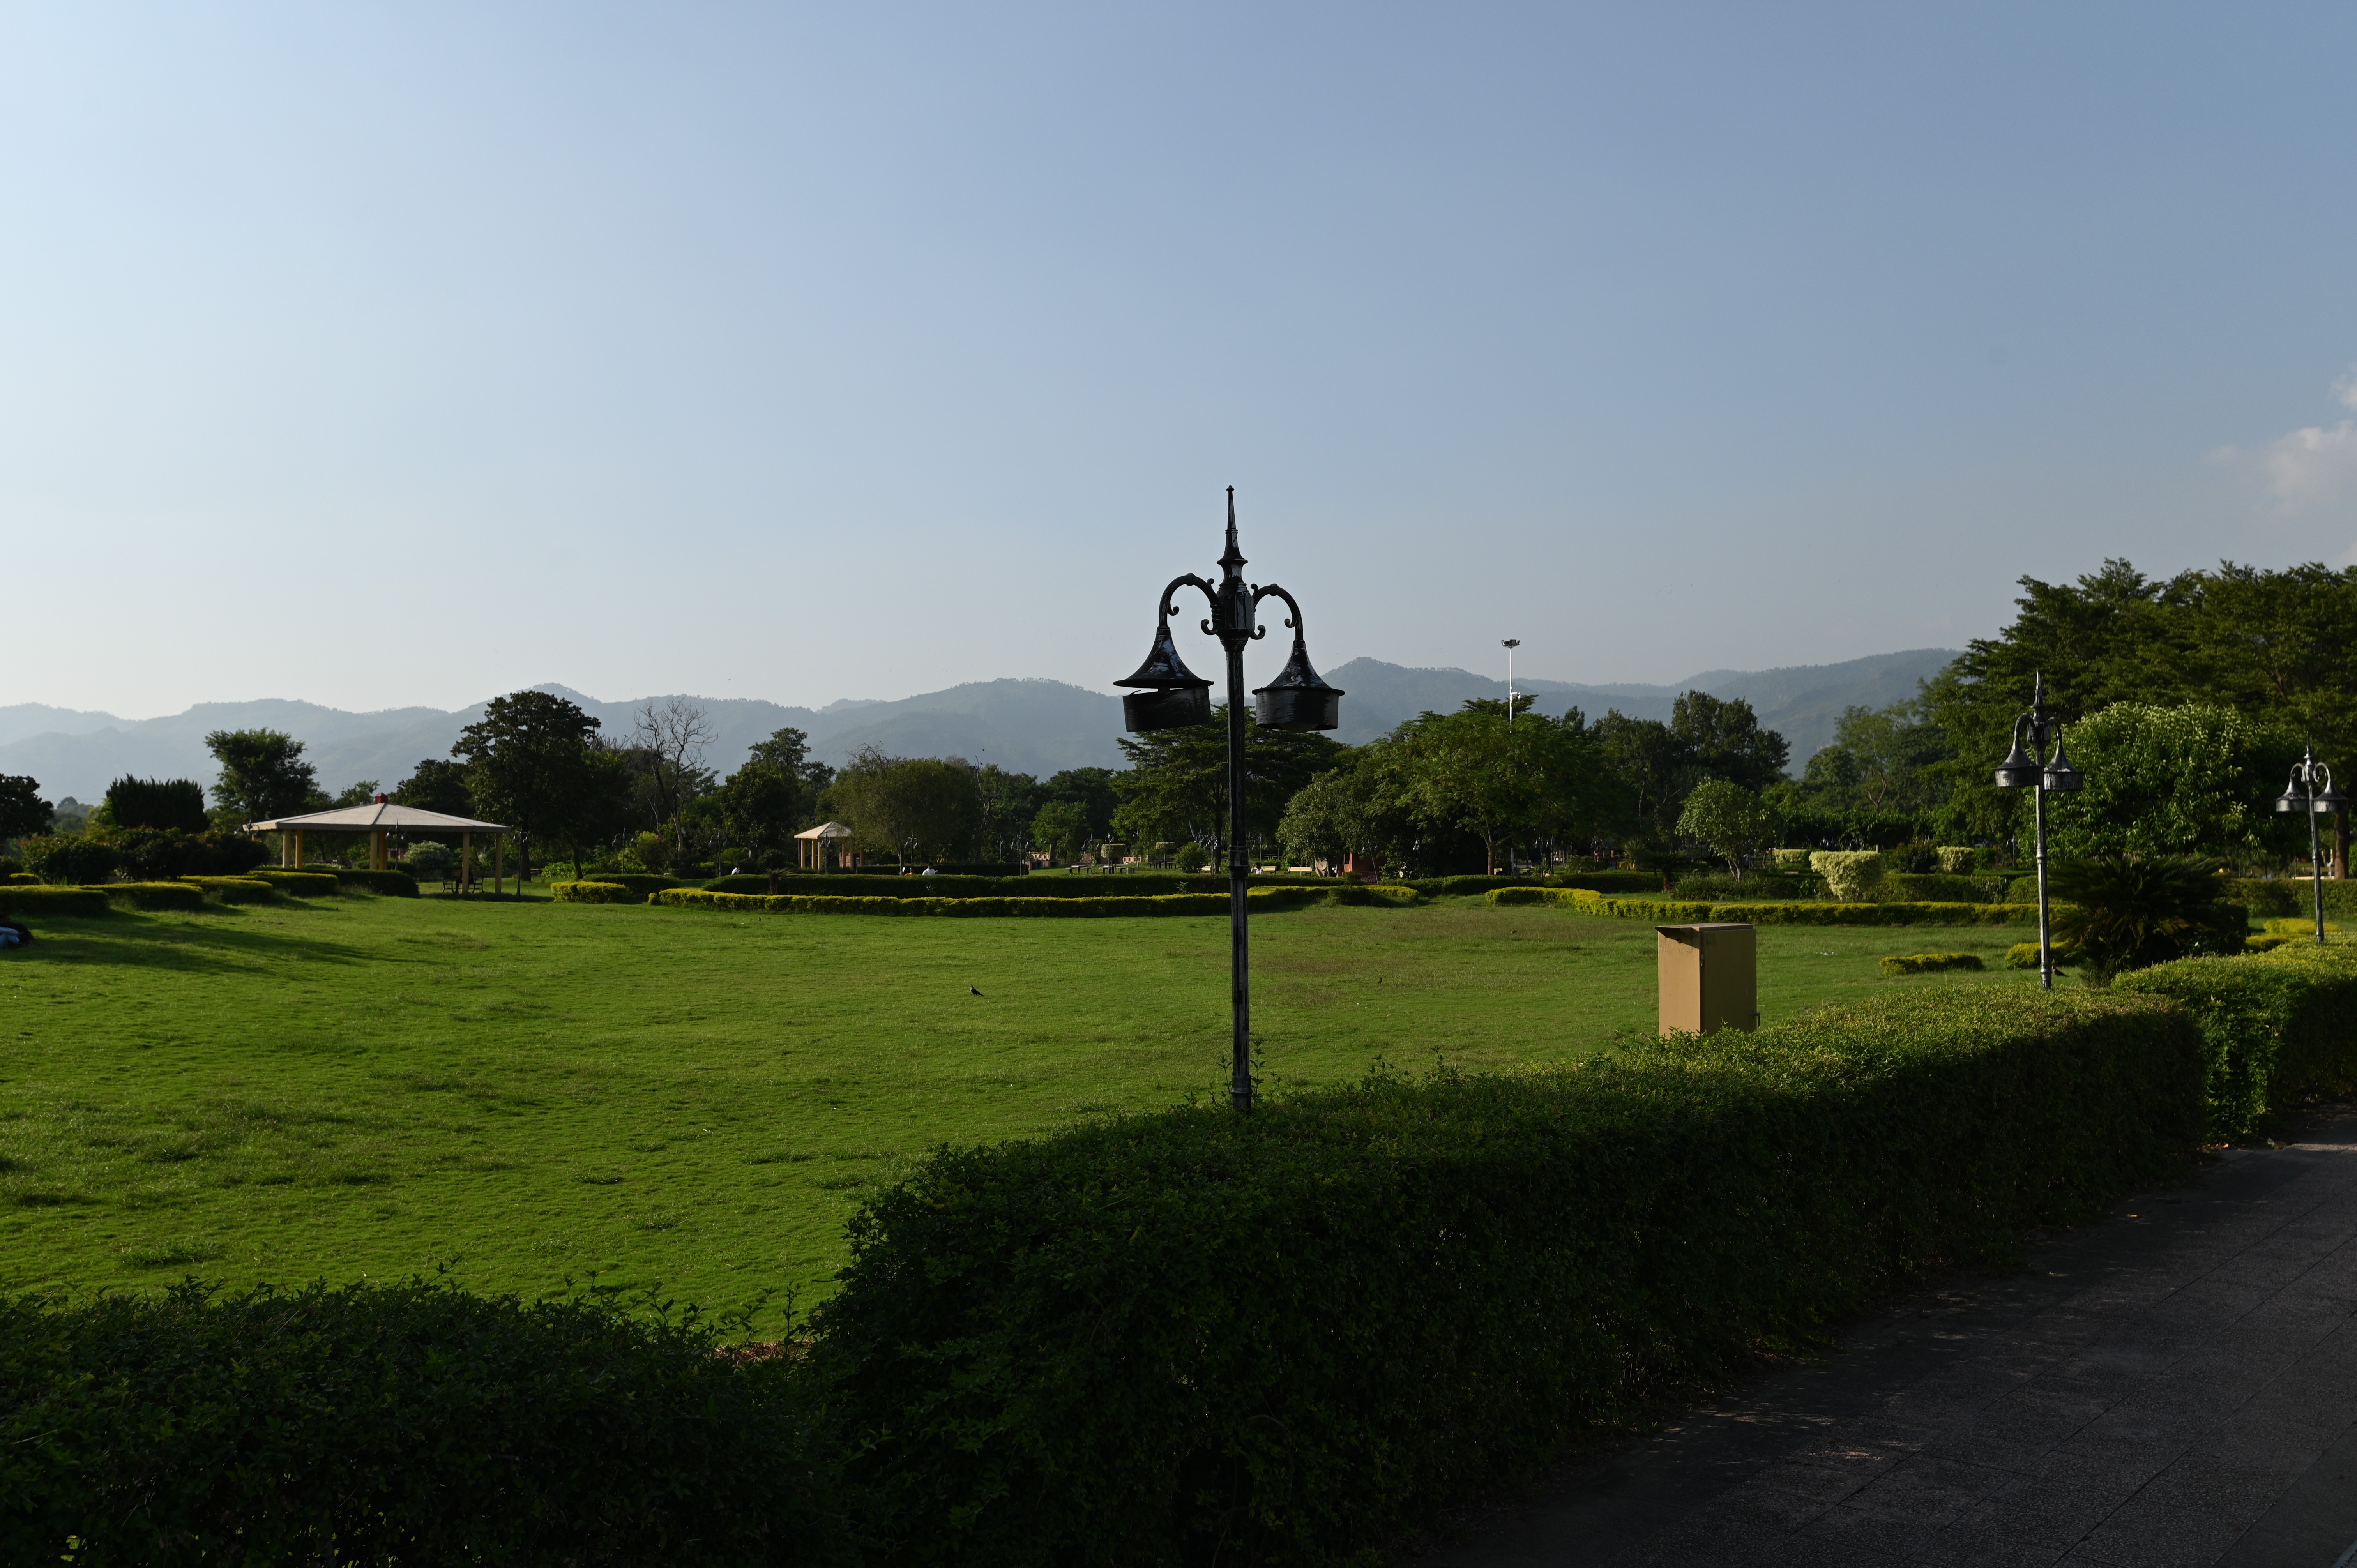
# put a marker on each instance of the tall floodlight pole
(2022, 770)
(1170, 696)
(2303, 796)
(1510, 644)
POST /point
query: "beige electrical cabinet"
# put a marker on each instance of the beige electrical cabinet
(1709, 978)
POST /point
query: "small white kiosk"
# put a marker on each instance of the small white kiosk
(812, 846)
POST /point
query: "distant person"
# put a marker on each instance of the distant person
(13, 934)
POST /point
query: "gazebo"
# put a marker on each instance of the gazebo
(810, 847)
(378, 819)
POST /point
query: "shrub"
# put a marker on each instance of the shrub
(1915, 859)
(70, 859)
(1931, 962)
(10, 866)
(406, 1423)
(233, 890)
(1608, 881)
(1291, 1333)
(2286, 895)
(2277, 1030)
(21, 879)
(298, 883)
(2130, 914)
(1850, 874)
(1792, 859)
(2024, 955)
(391, 884)
(639, 883)
(1956, 859)
(595, 892)
(20, 900)
(1672, 911)
(1191, 856)
(1940, 887)
(1475, 886)
(1258, 901)
(2267, 942)
(430, 862)
(183, 896)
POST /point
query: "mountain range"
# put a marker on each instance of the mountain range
(1025, 726)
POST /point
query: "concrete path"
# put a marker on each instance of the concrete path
(2174, 1387)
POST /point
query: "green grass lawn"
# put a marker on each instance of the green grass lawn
(536, 1092)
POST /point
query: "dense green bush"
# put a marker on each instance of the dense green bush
(395, 1424)
(20, 879)
(22, 901)
(1849, 873)
(298, 883)
(10, 866)
(2278, 1030)
(640, 884)
(595, 892)
(69, 860)
(1609, 881)
(2287, 896)
(1931, 962)
(1278, 1338)
(2025, 955)
(2122, 914)
(1942, 887)
(158, 855)
(233, 890)
(175, 804)
(1475, 886)
(391, 884)
(182, 896)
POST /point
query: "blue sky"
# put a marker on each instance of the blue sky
(379, 355)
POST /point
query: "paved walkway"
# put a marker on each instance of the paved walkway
(2175, 1387)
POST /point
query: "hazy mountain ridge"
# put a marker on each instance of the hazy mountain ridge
(1028, 726)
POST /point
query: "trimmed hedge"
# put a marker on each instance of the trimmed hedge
(1281, 1337)
(2024, 955)
(297, 884)
(234, 889)
(391, 884)
(1258, 900)
(1127, 885)
(19, 899)
(2289, 898)
(182, 896)
(595, 892)
(2277, 1029)
(404, 1424)
(1938, 887)
(1674, 911)
(19, 880)
(636, 882)
(1931, 962)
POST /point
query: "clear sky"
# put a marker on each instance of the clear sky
(382, 354)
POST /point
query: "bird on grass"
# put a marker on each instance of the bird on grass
(976, 992)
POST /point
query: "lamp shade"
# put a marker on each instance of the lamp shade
(2019, 771)
(2060, 775)
(2294, 799)
(1171, 695)
(1298, 699)
(2330, 802)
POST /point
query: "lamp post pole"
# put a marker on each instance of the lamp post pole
(2022, 770)
(2302, 795)
(1168, 695)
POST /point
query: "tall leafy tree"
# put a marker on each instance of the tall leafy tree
(1505, 783)
(1090, 788)
(23, 812)
(2189, 780)
(173, 804)
(764, 803)
(917, 809)
(1177, 784)
(527, 762)
(1009, 803)
(262, 774)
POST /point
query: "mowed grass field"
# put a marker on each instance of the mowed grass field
(692, 1102)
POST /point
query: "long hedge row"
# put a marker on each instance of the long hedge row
(2278, 1029)
(1257, 898)
(1292, 1333)
(1677, 911)
(21, 900)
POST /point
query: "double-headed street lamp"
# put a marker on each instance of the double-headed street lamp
(2301, 795)
(2023, 770)
(1171, 697)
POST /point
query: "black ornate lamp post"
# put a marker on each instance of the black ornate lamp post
(1171, 697)
(2023, 770)
(2301, 795)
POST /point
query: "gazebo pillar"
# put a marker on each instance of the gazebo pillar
(466, 862)
(298, 849)
(377, 858)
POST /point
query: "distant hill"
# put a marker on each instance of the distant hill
(1028, 726)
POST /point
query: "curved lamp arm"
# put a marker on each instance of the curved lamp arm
(1293, 620)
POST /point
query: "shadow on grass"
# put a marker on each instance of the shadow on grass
(138, 940)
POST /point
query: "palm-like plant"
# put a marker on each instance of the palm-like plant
(2126, 913)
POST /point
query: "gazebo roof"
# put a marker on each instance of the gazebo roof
(377, 817)
(825, 830)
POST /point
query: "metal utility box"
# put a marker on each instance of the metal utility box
(1709, 978)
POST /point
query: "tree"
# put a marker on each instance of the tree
(1730, 819)
(262, 774)
(1009, 803)
(527, 761)
(1177, 784)
(1722, 739)
(23, 812)
(2128, 912)
(2190, 779)
(1470, 769)
(1060, 828)
(917, 809)
(1090, 788)
(437, 785)
(1329, 819)
(673, 733)
(177, 804)
(763, 803)
(789, 749)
